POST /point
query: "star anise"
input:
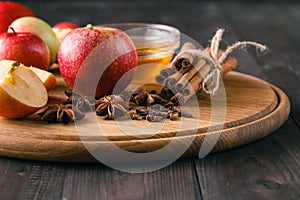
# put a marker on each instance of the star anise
(60, 113)
(111, 107)
(83, 103)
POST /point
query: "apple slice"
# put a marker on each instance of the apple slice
(22, 93)
(47, 78)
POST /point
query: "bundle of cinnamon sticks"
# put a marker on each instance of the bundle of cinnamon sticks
(187, 71)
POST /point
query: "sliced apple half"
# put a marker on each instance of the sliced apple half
(22, 93)
(47, 78)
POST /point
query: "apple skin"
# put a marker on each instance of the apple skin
(9, 11)
(88, 54)
(21, 91)
(25, 48)
(40, 28)
(63, 28)
(63, 25)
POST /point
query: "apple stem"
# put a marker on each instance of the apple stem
(15, 64)
(13, 30)
(90, 27)
(12, 68)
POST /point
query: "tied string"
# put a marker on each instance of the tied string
(211, 82)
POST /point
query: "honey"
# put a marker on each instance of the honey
(154, 55)
(151, 61)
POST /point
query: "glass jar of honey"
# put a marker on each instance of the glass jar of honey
(155, 45)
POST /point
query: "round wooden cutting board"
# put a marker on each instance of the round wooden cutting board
(254, 109)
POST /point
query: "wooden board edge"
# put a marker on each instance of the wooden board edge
(74, 151)
(244, 134)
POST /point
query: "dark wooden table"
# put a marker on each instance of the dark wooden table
(266, 169)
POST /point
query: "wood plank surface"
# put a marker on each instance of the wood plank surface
(14, 175)
(266, 169)
(107, 184)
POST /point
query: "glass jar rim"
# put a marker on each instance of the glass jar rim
(170, 35)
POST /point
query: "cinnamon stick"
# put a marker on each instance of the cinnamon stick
(195, 70)
(228, 65)
(164, 74)
(167, 72)
(184, 59)
(187, 46)
(173, 79)
(183, 62)
(208, 50)
(195, 83)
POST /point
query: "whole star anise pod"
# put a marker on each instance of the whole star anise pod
(111, 106)
(83, 103)
(60, 113)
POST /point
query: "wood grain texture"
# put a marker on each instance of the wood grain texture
(97, 182)
(44, 182)
(250, 173)
(14, 175)
(248, 118)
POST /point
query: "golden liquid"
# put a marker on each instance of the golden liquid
(150, 62)
(154, 55)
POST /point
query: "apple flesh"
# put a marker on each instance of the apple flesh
(9, 11)
(63, 28)
(21, 91)
(40, 28)
(25, 48)
(47, 78)
(97, 58)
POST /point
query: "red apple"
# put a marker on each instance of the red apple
(25, 48)
(40, 28)
(90, 54)
(63, 25)
(63, 28)
(9, 11)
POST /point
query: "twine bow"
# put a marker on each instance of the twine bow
(211, 82)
